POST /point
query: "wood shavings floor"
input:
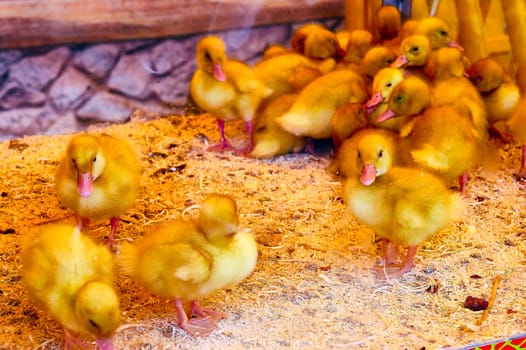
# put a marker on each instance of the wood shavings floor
(314, 286)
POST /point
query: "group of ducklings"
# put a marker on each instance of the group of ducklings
(71, 277)
(404, 119)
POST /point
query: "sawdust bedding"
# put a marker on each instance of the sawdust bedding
(314, 286)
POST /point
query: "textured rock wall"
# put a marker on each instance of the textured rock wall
(60, 89)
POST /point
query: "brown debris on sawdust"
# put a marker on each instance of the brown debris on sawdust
(314, 286)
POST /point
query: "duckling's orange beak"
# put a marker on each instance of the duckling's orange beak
(368, 174)
(388, 114)
(374, 101)
(218, 72)
(456, 45)
(85, 184)
(400, 61)
(104, 344)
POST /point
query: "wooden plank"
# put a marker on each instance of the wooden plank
(34, 22)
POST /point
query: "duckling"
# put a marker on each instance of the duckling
(388, 24)
(402, 205)
(279, 73)
(437, 31)
(414, 52)
(359, 43)
(311, 113)
(384, 82)
(321, 43)
(452, 88)
(386, 142)
(98, 178)
(270, 139)
(499, 91)
(516, 125)
(227, 89)
(375, 59)
(188, 261)
(438, 139)
(274, 50)
(299, 36)
(70, 277)
(347, 119)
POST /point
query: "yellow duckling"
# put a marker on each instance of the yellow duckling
(298, 38)
(311, 113)
(385, 141)
(415, 51)
(270, 139)
(316, 41)
(227, 89)
(98, 178)
(384, 82)
(401, 205)
(70, 277)
(437, 31)
(498, 89)
(359, 43)
(188, 261)
(388, 24)
(347, 119)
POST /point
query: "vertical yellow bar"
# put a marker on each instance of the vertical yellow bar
(515, 15)
(471, 34)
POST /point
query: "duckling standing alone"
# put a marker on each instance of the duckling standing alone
(227, 89)
(98, 178)
(188, 261)
(70, 277)
(401, 205)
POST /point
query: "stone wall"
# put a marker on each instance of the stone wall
(61, 89)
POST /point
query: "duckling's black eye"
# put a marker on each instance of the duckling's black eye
(359, 155)
(414, 49)
(381, 153)
(94, 159)
(389, 61)
(208, 57)
(93, 324)
(73, 161)
(388, 84)
(443, 32)
(399, 98)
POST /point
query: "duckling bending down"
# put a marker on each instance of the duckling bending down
(311, 113)
(70, 277)
(227, 89)
(98, 178)
(499, 91)
(188, 261)
(402, 205)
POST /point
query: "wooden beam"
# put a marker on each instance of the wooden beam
(35, 22)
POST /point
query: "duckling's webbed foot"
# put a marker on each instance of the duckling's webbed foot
(198, 311)
(201, 325)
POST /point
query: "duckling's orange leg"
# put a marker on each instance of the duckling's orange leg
(197, 310)
(196, 326)
(114, 223)
(409, 259)
(72, 342)
(504, 136)
(462, 181)
(223, 143)
(310, 147)
(250, 145)
(390, 251)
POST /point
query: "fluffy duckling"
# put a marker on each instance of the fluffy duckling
(270, 139)
(70, 277)
(274, 50)
(359, 43)
(384, 82)
(386, 141)
(348, 119)
(98, 178)
(437, 31)
(375, 59)
(188, 261)
(401, 205)
(499, 91)
(438, 139)
(279, 73)
(388, 23)
(452, 88)
(321, 43)
(517, 126)
(299, 36)
(414, 52)
(311, 113)
(227, 89)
